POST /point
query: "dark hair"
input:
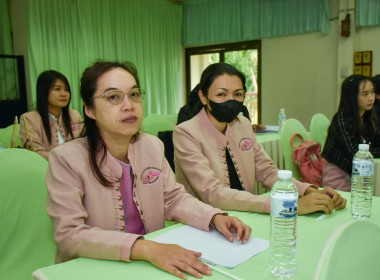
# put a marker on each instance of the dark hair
(88, 87)
(376, 83)
(349, 105)
(45, 83)
(212, 72)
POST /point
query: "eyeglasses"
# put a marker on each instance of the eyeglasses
(115, 97)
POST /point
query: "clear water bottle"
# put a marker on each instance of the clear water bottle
(283, 219)
(362, 183)
(1, 146)
(281, 118)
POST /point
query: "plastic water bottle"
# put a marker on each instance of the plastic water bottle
(362, 183)
(281, 118)
(1, 146)
(283, 219)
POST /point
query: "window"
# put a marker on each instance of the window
(245, 56)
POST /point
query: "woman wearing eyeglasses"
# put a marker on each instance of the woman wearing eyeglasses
(53, 123)
(353, 124)
(109, 188)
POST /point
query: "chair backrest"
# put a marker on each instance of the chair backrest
(351, 252)
(319, 125)
(290, 127)
(155, 123)
(6, 136)
(26, 242)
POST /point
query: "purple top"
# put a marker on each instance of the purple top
(133, 223)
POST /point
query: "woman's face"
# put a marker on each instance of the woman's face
(59, 96)
(366, 97)
(224, 88)
(116, 121)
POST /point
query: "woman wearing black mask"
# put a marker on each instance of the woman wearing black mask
(218, 158)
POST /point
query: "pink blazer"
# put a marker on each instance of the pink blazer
(38, 135)
(88, 218)
(201, 166)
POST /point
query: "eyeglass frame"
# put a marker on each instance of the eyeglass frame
(107, 93)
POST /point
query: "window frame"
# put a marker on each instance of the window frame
(221, 49)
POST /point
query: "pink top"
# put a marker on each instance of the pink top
(133, 223)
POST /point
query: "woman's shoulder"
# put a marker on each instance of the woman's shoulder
(72, 149)
(146, 139)
(32, 115)
(342, 117)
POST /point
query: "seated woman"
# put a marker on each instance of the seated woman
(353, 124)
(109, 188)
(53, 123)
(190, 110)
(218, 158)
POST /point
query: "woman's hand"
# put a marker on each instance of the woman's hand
(338, 200)
(228, 225)
(170, 257)
(320, 200)
(314, 202)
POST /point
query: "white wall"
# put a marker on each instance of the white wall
(303, 73)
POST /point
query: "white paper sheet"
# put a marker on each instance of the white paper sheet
(214, 246)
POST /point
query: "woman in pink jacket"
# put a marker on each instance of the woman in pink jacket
(52, 123)
(109, 188)
(217, 156)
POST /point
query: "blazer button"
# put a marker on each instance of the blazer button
(141, 212)
(137, 203)
(118, 188)
(134, 193)
(122, 228)
(119, 198)
(121, 207)
(122, 217)
(117, 180)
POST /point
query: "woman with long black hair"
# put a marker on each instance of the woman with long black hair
(52, 123)
(353, 124)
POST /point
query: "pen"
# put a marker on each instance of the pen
(220, 270)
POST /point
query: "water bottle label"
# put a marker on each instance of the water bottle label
(284, 208)
(362, 168)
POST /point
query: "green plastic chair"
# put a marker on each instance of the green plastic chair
(351, 252)
(26, 242)
(319, 125)
(6, 136)
(155, 123)
(290, 127)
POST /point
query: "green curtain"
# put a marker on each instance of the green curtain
(69, 35)
(8, 86)
(218, 21)
(367, 12)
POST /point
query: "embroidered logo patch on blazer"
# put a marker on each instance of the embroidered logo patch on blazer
(150, 175)
(245, 144)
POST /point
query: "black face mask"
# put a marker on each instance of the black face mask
(226, 111)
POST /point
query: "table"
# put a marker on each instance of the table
(271, 143)
(311, 237)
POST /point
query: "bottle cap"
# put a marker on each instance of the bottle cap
(284, 174)
(364, 147)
